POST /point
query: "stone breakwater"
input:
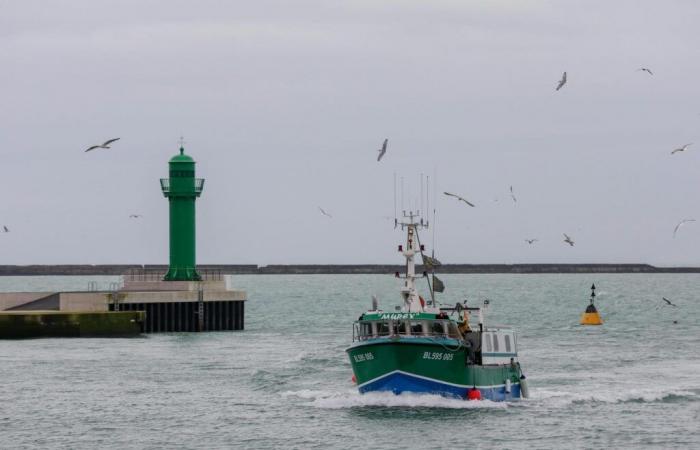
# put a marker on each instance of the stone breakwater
(301, 269)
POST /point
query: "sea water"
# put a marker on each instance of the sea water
(285, 382)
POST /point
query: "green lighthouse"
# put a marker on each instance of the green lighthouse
(181, 190)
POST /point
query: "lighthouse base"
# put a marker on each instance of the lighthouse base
(182, 274)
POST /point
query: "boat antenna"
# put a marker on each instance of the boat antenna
(434, 201)
(427, 199)
(403, 207)
(421, 193)
(396, 220)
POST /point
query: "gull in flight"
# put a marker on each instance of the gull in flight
(568, 240)
(644, 69)
(562, 82)
(680, 224)
(5, 229)
(135, 216)
(324, 212)
(512, 195)
(531, 241)
(382, 150)
(668, 301)
(461, 199)
(681, 149)
(105, 145)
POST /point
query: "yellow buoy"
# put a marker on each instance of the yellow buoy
(591, 316)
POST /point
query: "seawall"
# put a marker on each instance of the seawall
(301, 269)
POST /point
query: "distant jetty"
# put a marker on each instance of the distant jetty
(306, 269)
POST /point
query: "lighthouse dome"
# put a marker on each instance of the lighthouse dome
(181, 158)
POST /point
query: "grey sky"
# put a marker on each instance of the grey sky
(283, 105)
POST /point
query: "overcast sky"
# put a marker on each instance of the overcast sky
(284, 104)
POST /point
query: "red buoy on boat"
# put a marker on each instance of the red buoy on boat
(354, 380)
(474, 394)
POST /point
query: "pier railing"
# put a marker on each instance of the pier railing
(157, 274)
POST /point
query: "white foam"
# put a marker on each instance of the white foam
(353, 399)
(308, 394)
(563, 398)
(298, 357)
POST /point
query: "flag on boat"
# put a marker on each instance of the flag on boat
(429, 262)
(438, 285)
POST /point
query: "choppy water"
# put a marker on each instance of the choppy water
(285, 381)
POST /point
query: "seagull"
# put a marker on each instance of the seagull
(324, 213)
(681, 149)
(5, 229)
(512, 195)
(668, 301)
(562, 82)
(135, 216)
(105, 145)
(460, 199)
(644, 69)
(568, 240)
(382, 150)
(531, 241)
(680, 224)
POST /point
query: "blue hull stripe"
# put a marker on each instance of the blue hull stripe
(399, 382)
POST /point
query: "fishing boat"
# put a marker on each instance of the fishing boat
(424, 347)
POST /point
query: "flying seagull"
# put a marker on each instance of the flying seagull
(644, 69)
(568, 240)
(382, 150)
(461, 199)
(324, 213)
(680, 224)
(135, 216)
(512, 195)
(562, 82)
(5, 229)
(531, 241)
(668, 301)
(105, 145)
(681, 149)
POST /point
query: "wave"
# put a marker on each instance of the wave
(648, 395)
(353, 399)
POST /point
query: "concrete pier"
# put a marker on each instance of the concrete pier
(33, 324)
(167, 306)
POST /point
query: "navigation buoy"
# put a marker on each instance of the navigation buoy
(591, 315)
(474, 394)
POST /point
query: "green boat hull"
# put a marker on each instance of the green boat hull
(430, 366)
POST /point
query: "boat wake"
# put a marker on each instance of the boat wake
(642, 395)
(353, 399)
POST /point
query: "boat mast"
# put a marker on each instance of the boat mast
(412, 301)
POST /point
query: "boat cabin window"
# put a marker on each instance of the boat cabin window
(507, 337)
(417, 328)
(487, 342)
(400, 327)
(438, 328)
(495, 342)
(365, 330)
(383, 329)
(452, 330)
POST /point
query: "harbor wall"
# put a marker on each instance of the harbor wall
(301, 269)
